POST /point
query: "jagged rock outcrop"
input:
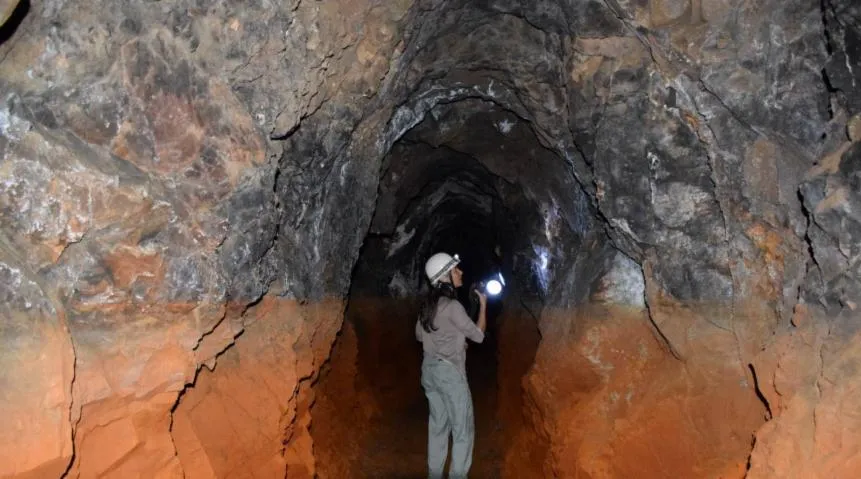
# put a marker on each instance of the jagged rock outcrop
(143, 212)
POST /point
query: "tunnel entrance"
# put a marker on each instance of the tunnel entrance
(584, 354)
(442, 189)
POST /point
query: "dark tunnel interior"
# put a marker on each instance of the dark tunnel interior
(470, 179)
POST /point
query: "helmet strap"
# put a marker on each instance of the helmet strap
(445, 286)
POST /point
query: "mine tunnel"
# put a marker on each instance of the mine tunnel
(214, 220)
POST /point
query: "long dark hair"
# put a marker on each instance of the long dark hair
(428, 309)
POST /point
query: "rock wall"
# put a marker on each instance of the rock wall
(152, 227)
(743, 174)
(38, 360)
(607, 399)
(238, 416)
(711, 139)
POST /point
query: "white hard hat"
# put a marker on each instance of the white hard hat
(439, 265)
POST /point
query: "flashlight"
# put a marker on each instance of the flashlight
(493, 286)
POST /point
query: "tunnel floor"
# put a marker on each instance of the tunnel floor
(395, 446)
(370, 415)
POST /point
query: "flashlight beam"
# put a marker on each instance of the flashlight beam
(493, 287)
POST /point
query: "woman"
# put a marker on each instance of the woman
(442, 328)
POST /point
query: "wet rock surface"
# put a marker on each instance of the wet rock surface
(185, 189)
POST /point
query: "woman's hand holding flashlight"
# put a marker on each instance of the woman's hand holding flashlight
(482, 310)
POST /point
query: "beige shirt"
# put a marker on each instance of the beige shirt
(448, 341)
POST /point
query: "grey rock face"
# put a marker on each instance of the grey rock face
(830, 190)
(831, 197)
(774, 81)
(843, 32)
(623, 283)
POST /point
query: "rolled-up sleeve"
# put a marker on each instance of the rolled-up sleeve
(463, 322)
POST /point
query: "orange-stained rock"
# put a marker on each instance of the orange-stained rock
(247, 412)
(810, 378)
(35, 402)
(250, 415)
(342, 409)
(610, 400)
(517, 345)
(125, 387)
(126, 437)
(128, 265)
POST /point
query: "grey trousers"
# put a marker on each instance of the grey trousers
(450, 413)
